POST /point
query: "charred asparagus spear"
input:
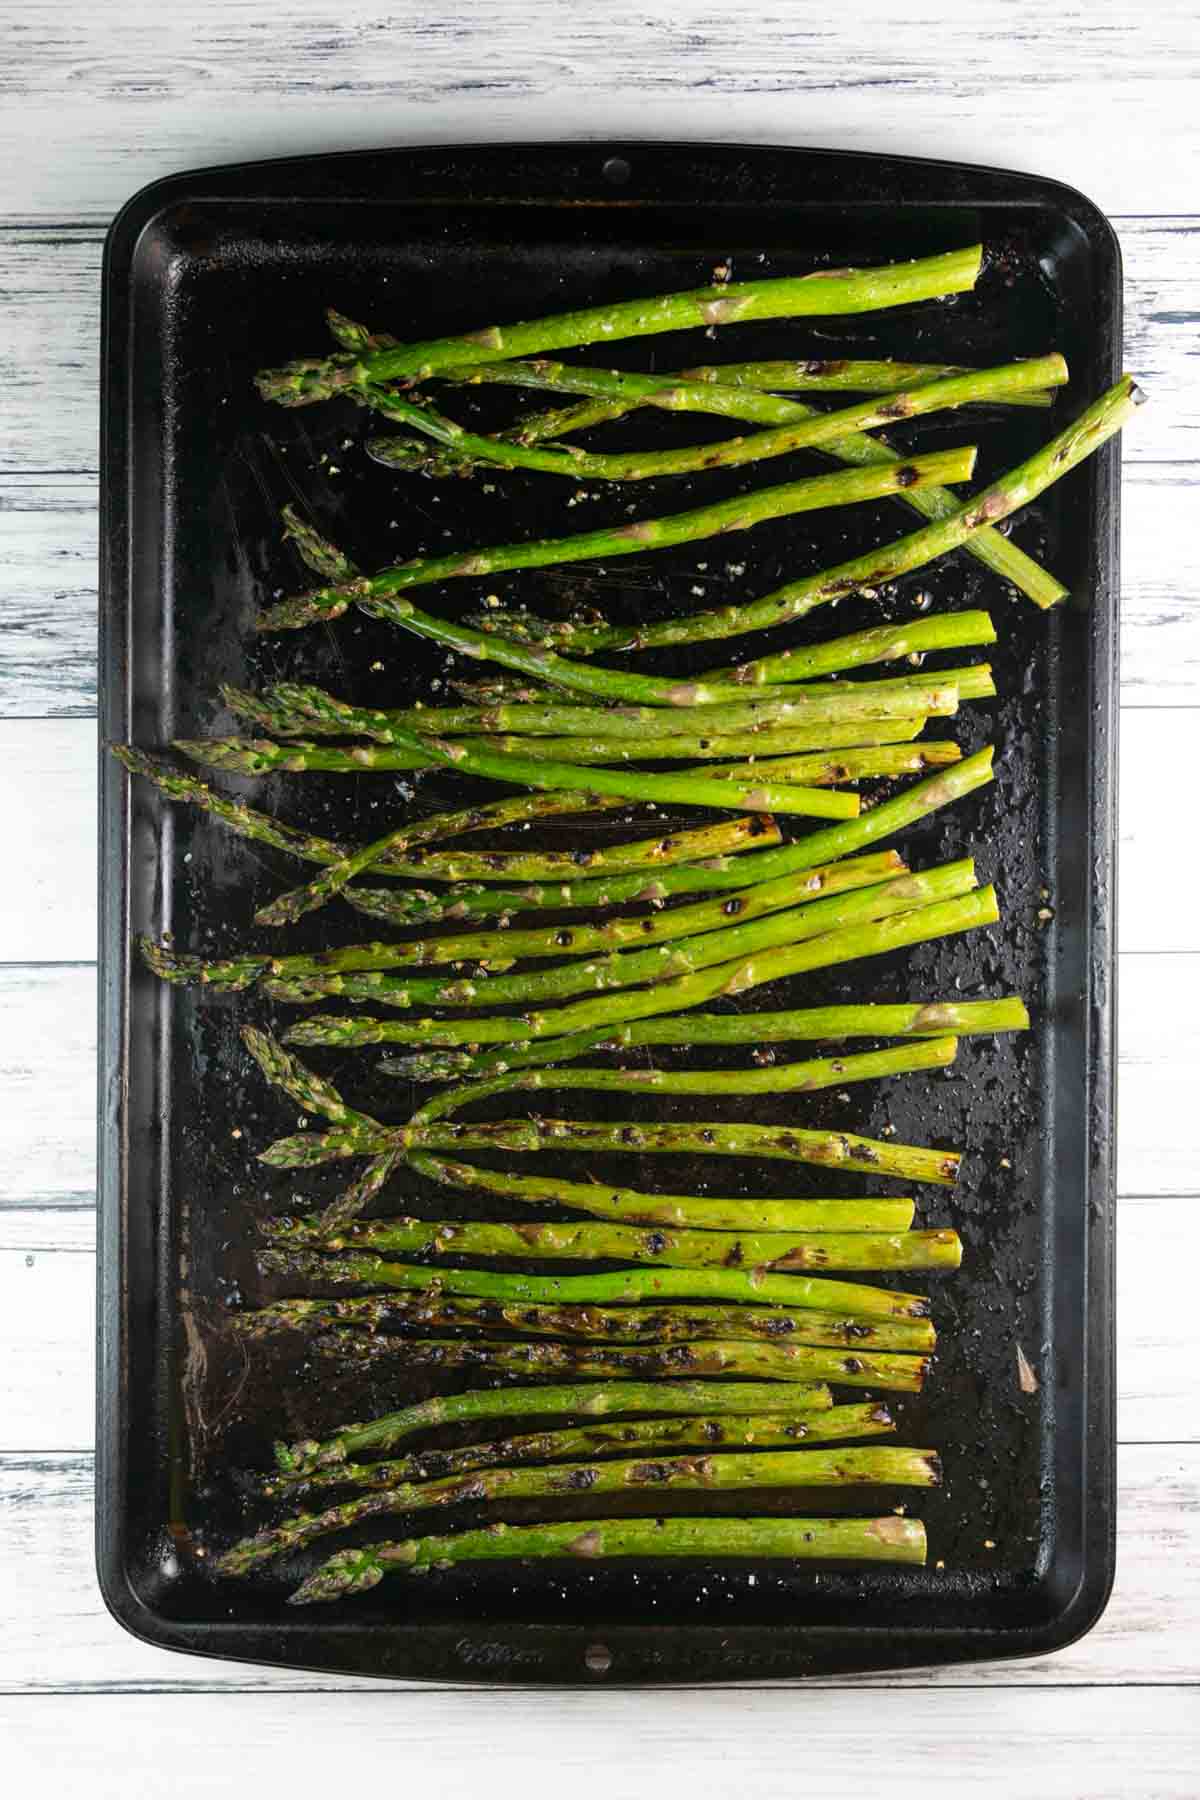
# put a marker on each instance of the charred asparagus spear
(958, 1018)
(626, 1287)
(434, 1311)
(823, 294)
(889, 1539)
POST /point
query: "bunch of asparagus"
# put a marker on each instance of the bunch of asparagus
(734, 1288)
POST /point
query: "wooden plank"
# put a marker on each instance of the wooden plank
(48, 818)
(1158, 1076)
(50, 306)
(1160, 588)
(202, 83)
(1118, 1744)
(47, 1331)
(48, 1079)
(58, 1636)
(48, 595)
(1157, 860)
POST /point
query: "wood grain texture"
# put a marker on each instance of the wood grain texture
(198, 84)
(60, 1638)
(1122, 1744)
(48, 530)
(50, 307)
(48, 817)
(48, 1080)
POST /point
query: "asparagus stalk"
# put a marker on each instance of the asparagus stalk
(964, 913)
(592, 1242)
(499, 948)
(824, 293)
(828, 1149)
(922, 1018)
(829, 706)
(694, 1210)
(890, 1539)
(383, 592)
(760, 1431)
(857, 1300)
(259, 756)
(698, 1358)
(874, 568)
(813, 432)
(749, 391)
(418, 906)
(875, 1466)
(591, 1400)
(176, 784)
(789, 924)
(775, 1078)
(435, 1311)
(835, 841)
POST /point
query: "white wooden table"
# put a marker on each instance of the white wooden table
(97, 99)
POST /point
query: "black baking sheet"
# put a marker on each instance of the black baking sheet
(208, 277)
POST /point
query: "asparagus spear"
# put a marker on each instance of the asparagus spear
(823, 293)
(889, 1539)
(775, 1078)
(790, 924)
(771, 757)
(384, 590)
(749, 391)
(499, 948)
(828, 1149)
(874, 568)
(960, 1018)
(697, 1358)
(590, 1400)
(260, 756)
(943, 918)
(871, 1466)
(856, 1300)
(826, 706)
(694, 1210)
(817, 430)
(592, 1242)
(435, 1311)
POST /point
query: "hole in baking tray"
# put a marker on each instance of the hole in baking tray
(597, 1658)
(616, 170)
